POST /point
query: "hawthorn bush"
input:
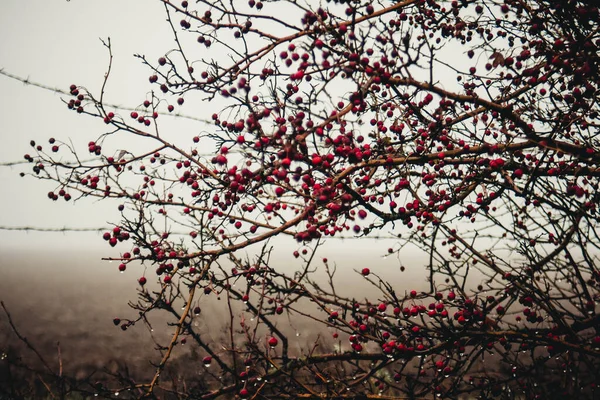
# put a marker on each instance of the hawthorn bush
(465, 129)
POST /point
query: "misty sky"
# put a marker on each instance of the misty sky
(56, 43)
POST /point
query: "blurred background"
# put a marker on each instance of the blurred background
(53, 282)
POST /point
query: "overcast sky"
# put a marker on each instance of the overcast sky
(56, 43)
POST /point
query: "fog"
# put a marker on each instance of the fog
(71, 297)
(55, 285)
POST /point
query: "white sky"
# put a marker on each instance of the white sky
(56, 43)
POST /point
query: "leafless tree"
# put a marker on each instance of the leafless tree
(467, 130)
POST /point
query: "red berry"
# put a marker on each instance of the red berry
(366, 271)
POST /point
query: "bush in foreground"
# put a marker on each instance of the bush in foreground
(467, 130)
